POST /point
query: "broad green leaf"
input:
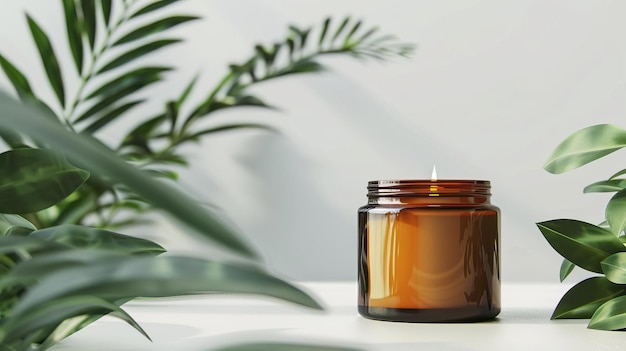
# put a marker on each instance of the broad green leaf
(11, 224)
(156, 5)
(102, 162)
(93, 238)
(35, 179)
(616, 212)
(132, 85)
(154, 27)
(606, 186)
(270, 346)
(219, 129)
(106, 6)
(610, 316)
(583, 244)
(584, 146)
(12, 244)
(17, 79)
(110, 116)
(137, 53)
(113, 278)
(52, 313)
(614, 268)
(584, 298)
(74, 35)
(620, 173)
(89, 19)
(323, 31)
(342, 26)
(128, 79)
(566, 268)
(48, 59)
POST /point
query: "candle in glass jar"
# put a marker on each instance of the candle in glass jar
(429, 251)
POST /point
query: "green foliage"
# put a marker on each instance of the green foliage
(594, 248)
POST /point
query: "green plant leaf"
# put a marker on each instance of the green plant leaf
(152, 7)
(128, 79)
(606, 186)
(51, 314)
(17, 79)
(270, 346)
(137, 53)
(154, 27)
(103, 162)
(584, 146)
(48, 59)
(12, 244)
(584, 298)
(566, 268)
(11, 224)
(583, 244)
(614, 267)
(106, 6)
(110, 116)
(113, 278)
(93, 238)
(35, 179)
(616, 212)
(323, 31)
(89, 19)
(342, 26)
(618, 174)
(74, 36)
(610, 316)
(228, 127)
(183, 97)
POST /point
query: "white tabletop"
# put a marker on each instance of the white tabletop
(201, 323)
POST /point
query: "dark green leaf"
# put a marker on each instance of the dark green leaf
(342, 26)
(614, 267)
(133, 78)
(616, 212)
(163, 173)
(110, 116)
(356, 26)
(35, 179)
(17, 79)
(48, 59)
(267, 346)
(52, 313)
(113, 278)
(11, 224)
(228, 127)
(93, 238)
(152, 7)
(583, 244)
(12, 244)
(183, 97)
(606, 186)
(324, 31)
(89, 20)
(304, 66)
(74, 36)
(610, 316)
(104, 163)
(139, 135)
(137, 53)
(106, 7)
(584, 146)
(566, 268)
(368, 34)
(154, 27)
(584, 298)
(171, 113)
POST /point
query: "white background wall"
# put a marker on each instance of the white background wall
(493, 88)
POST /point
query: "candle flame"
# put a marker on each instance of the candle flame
(433, 178)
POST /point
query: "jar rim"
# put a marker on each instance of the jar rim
(428, 187)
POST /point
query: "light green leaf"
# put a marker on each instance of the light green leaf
(154, 27)
(566, 268)
(614, 267)
(48, 59)
(137, 53)
(98, 160)
(113, 278)
(93, 238)
(584, 146)
(584, 298)
(583, 244)
(35, 179)
(51, 313)
(74, 36)
(110, 116)
(270, 346)
(89, 19)
(610, 316)
(11, 224)
(152, 7)
(616, 212)
(620, 173)
(606, 186)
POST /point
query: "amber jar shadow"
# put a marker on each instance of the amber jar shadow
(429, 252)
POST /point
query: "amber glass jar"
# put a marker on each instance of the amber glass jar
(429, 251)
